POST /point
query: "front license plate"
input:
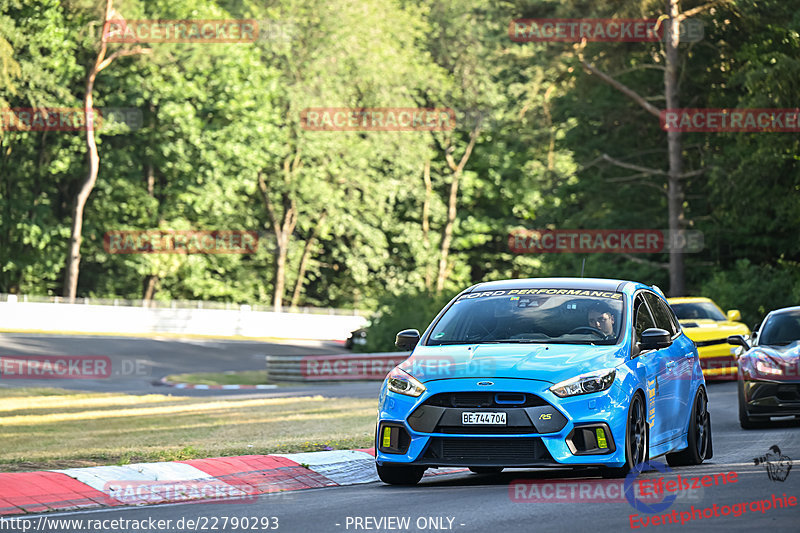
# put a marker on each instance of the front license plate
(490, 419)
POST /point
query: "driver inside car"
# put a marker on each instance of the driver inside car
(602, 318)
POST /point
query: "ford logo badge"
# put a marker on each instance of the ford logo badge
(485, 383)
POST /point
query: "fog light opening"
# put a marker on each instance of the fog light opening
(590, 439)
(393, 438)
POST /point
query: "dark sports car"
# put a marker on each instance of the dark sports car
(769, 371)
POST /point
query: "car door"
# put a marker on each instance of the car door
(675, 387)
(654, 362)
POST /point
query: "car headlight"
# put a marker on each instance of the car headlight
(585, 383)
(402, 382)
(765, 366)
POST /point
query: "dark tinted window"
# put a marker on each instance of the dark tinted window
(642, 319)
(572, 316)
(781, 329)
(661, 313)
(698, 311)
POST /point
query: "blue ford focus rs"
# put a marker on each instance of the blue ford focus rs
(547, 372)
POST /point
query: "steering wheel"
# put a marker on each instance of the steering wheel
(590, 329)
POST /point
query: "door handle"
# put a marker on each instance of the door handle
(689, 354)
(670, 365)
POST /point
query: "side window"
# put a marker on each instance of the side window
(661, 313)
(642, 319)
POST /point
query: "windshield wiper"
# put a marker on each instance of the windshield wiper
(516, 341)
(506, 341)
(527, 341)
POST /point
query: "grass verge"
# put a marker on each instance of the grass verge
(246, 377)
(43, 428)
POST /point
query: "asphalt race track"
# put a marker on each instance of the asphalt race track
(456, 502)
(138, 363)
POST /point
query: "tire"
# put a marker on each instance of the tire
(699, 435)
(400, 475)
(745, 420)
(486, 469)
(636, 440)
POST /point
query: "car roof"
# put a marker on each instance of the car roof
(784, 310)
(598, 284)
(689, 300)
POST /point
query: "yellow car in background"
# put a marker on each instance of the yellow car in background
(704, 322)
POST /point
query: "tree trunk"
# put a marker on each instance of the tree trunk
(426, 205)
(76, 236)
(675, 198)
(447, 233)
(76, 233)
(149, 286)
(150, 280)
(283, 232)
(675, 187)
(301, 271)
(280, 275)
(452, 204)
(150, 179)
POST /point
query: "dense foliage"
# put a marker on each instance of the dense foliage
(354, 208)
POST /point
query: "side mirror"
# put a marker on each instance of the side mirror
(407, 339)
(734, 315)
(738, 340)
(655, 339)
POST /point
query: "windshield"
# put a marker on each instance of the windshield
(781, 329)
(698, 311)
(565, 316)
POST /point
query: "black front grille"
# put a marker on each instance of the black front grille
(788, 393)
(501, 451)
(485, 399)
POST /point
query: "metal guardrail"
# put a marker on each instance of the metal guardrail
(181, 304)
(339, 367)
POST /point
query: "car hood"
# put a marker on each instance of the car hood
(788, 355)
(705, 329)
(546, 362)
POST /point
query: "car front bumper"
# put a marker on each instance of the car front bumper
(772, 398)
(547, 431)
